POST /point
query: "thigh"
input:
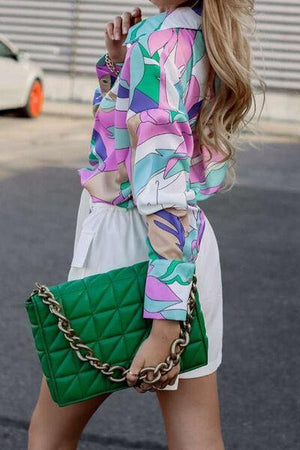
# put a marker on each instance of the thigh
(59, 424)
(191, 414)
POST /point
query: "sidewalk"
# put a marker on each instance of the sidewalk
(263, 131)
(68, 109)
(273, 131)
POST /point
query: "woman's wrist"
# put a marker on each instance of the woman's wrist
(117, 57)
(116, 60)
(165, 328)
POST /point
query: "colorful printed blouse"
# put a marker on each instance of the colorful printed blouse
(144, 153)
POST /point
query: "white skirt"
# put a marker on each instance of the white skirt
(108, 237)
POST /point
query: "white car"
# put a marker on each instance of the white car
(21, 81)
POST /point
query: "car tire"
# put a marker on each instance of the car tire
(34, 105)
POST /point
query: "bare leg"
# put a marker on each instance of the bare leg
(191, 414)
(59, 428)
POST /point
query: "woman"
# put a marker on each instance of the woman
(153, 157)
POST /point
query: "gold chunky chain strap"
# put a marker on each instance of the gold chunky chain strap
(85, 353)
(111, 65)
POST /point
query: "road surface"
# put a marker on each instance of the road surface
(257, 227)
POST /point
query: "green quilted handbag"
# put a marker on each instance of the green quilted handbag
(87, 332)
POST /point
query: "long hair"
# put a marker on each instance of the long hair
(226, 26)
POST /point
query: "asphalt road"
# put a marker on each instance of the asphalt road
(257, 226)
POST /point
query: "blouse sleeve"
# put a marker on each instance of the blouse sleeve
(161, 149)
(106, 80)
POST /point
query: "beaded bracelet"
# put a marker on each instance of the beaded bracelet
(111, 65)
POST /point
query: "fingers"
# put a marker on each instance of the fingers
(117, 27)
(132, 377)
(146, 386)
(126, 23)
(110, 30)
(165, 380)
(173, 381)
(168, 379)
(136, 12)
(137, 15)
(121, 25)
(134, 370)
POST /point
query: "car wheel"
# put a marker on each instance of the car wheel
(35, 100)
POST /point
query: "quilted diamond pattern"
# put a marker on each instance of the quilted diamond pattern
(106, 312)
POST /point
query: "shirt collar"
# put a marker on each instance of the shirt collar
(181, 17)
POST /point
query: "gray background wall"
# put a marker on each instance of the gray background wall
(66, 38)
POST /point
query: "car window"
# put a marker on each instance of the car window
(5, 51)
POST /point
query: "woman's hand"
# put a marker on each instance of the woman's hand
(153, 351)
(116, 31)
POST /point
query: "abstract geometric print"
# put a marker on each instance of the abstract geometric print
(144, 152)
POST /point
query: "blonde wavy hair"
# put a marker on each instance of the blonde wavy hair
(226, 27)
